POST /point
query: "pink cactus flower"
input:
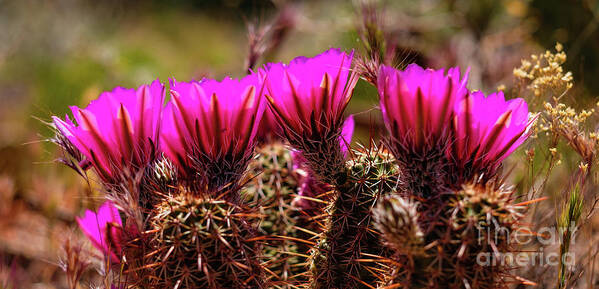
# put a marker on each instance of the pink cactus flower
(209, 127)
(308, 96)
(417, 103)
(488, 129)
(104, 230)
(118, 132)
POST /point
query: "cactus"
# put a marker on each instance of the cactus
(336, 261)
(272, 189)
(271, 173)
(460, 251)
(483, 217)
(202, 242)
(188, 213)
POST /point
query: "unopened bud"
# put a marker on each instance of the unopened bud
(397, 219)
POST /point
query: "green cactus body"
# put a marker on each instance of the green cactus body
(477, 219)
(483, 218)
(204, 243)
(338, 258)
(271, 189)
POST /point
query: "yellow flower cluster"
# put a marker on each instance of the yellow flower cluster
(543, 74)
(563, 121)
(565, 116)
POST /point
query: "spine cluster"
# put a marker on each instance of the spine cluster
(204, 243)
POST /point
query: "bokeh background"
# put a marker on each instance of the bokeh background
(65, 52)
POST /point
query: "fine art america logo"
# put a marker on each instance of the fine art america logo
(546, 237)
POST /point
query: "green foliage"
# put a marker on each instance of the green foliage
(567, 223)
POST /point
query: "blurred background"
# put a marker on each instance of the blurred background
(65, 52)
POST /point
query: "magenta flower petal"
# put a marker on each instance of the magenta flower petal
(416, 102)
(488, 129)
(311, 90)
(118, 131)
(347, 132)
(103, 229)
(210, 125)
